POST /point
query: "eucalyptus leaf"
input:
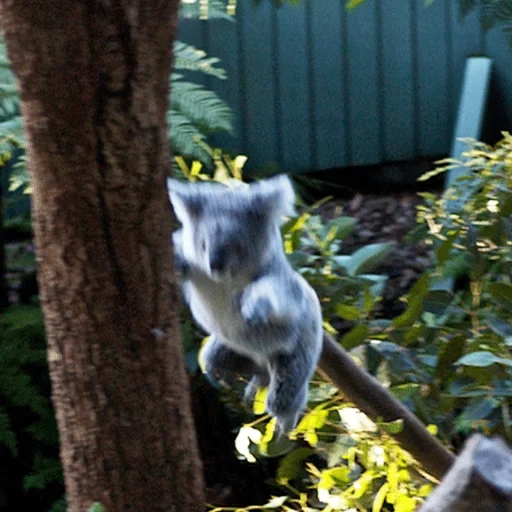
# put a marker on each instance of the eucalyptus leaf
(366, 258)
(483, 359)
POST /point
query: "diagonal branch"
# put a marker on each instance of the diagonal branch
(380, 405)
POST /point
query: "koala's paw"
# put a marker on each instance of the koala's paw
(286, 406)
(257, 312)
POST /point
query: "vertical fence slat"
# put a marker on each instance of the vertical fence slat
(258, 82)
(499, 50)
(293, 81)
(328, 84)
(434, 121)
(223, 44)
(466, 43)
(193, 32)
(363, 85)
(398, 80)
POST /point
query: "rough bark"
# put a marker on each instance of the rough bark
(479, 481)
(93, 78)
(380, 405)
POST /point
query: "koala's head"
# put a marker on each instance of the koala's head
(231, 232)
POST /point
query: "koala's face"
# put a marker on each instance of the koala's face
(227, 243)
(230, 233)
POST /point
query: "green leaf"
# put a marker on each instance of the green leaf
(405, 503)
(344, 226)
(44, 472)
(187, 57)
(333, 477)
(378, 501)
(347, 312)
(443, 251)
(437, 302)
(352, 4)
(483, 359)
(311, 422)
(501, 293)
(414, 303)
(449, 353)
(96, 507)
(366, 258)
(290, 466)
(502, 329)
(355, 337)
(7, 435)
(479, 409)
(392, 427)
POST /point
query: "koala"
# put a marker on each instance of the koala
(263, 318)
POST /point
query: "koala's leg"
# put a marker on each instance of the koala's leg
(223, 365)
(257, 381)
(288, 390)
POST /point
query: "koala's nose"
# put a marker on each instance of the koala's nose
(217, 263)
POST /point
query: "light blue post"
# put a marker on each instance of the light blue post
(471, 108)
(469, 124)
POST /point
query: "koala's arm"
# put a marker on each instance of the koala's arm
(273, 297)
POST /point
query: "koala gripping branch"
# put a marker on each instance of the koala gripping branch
(375, 401)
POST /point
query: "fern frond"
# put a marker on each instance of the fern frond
(493, 13)
(7, 435)
(13, 127)
(185, 136)
(202, 106)
(59, 506)
(190, 58)
(44, 472)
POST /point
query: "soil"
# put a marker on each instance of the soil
(384, 219)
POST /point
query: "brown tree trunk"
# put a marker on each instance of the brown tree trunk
(93, 77)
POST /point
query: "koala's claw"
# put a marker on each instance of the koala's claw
(257, 313)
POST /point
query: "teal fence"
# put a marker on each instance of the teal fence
(316, 87)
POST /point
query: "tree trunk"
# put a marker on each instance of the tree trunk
(93, 77)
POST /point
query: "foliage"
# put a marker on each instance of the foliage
(194, 113)
(28, 432)
(464, 337)
(447, 356)
(492, 13)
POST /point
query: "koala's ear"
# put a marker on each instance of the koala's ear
(187, 205)
(274, 197)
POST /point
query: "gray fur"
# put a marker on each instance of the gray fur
(242, 290)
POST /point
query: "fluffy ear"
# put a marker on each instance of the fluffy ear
(187, 204)
(274, 197)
